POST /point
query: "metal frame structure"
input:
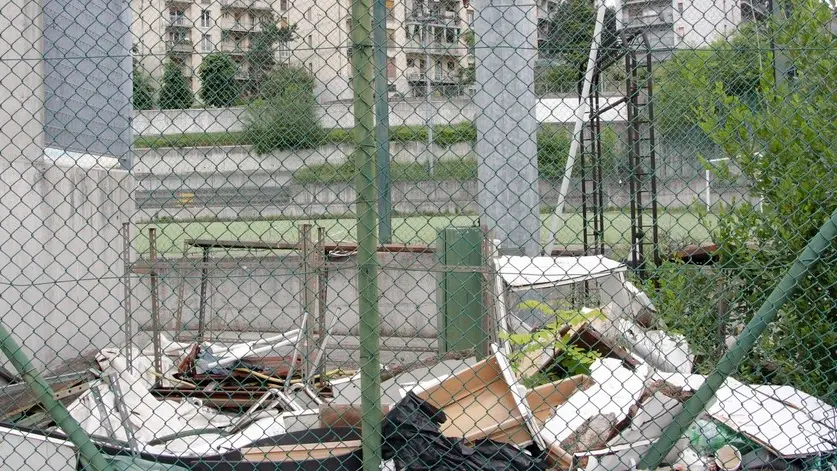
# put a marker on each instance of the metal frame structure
(642, 160)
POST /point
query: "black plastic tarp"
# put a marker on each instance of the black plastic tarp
(412, 439)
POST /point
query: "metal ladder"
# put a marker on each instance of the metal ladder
(642, 159)
(592, 193)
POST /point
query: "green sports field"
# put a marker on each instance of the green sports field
(677, 228)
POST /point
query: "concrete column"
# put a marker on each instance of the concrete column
(506, 48)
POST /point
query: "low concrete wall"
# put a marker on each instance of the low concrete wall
(410, 111)
(451, 196)
(225, 159)
(61, 256)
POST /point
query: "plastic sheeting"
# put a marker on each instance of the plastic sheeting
(412, 439)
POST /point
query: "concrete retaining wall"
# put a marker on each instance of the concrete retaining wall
(340, 115)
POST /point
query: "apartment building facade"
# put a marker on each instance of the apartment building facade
(427, 51)
(684, 24)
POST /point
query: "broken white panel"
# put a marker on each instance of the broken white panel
(533, 272)
(810, 405)
(786, 431)
(615, 390)
(669, 353)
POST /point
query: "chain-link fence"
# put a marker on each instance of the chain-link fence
(418, 234)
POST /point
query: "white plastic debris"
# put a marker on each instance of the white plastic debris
(669, 353)
(149, 419)
(615, 390)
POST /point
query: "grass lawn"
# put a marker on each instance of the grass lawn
(677, 228)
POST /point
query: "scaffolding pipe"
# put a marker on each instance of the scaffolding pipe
(579, 123)
(786, 288)
(90, 454)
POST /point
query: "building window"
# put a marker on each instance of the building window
(411, 62)
(205, 2)
(177, 17)
(680, 7)
(205, 19)
(681, 31)
(284, 51)
(206, 43)
(311, 67)
(451, 65)
(310, 40)
(283, 5)
(470, 17)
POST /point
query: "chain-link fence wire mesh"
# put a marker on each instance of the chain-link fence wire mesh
(189, 262)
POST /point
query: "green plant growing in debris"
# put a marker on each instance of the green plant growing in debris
(572, 360)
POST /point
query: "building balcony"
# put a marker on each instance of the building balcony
(178, 3)
(415, 47)
(235, 49)
(181, 45)
(245, 5)
(435, 20)
(241, 27)
(665, 18)
(415, 75)
(178, 22)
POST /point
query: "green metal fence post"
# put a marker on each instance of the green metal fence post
(370, 379)
(744, 343)
(379, 18)
(88, 451)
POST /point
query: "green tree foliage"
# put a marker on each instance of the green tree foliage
(286, 115)
(787, 149)
(554, 148)
(688, 78)
(143, 94)
(262, 56)
(218, 84)
(565, 43)
(175, 92)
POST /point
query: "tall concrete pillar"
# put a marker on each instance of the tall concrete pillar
(65, 91)
(506, 50)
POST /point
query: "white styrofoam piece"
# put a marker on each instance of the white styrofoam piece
(614, 391)
(519, 271)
